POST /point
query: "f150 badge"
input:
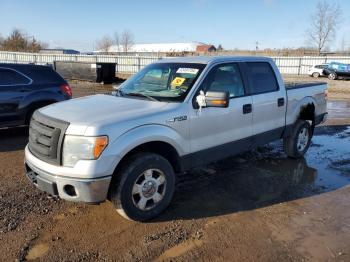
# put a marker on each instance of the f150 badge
(178, 118)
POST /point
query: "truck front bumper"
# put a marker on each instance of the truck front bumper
(89, 190)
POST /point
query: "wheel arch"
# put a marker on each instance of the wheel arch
(305, 109)
(307, 112)
(154, 138)
(161, 148)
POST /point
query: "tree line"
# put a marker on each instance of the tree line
(324, 23)
(19, 41)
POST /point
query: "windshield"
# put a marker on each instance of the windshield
(163, 81)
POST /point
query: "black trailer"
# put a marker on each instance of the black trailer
(94, 72)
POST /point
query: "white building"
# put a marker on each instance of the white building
(161, 48)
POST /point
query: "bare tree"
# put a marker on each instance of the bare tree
(323, 25)
(117, 41)
(104, 43)
(127, 40)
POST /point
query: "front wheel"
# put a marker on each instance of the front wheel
(144, 187)
(298, 142)
(315, 74)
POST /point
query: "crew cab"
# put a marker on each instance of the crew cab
(172, 116)
(25, 88)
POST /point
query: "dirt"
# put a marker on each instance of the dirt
(258, 206)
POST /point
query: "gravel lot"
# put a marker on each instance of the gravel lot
(259, 206)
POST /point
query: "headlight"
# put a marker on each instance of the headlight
(76, 148)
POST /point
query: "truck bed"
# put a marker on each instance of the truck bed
(296, 85)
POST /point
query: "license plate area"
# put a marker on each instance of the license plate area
(42, 183)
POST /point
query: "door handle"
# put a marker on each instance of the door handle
(247, 108)
(24, 90)
(280, 101)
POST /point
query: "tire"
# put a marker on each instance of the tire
(315, 74)
(144, 187)
(298, 142)
(332, 76)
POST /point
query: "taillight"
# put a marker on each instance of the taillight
(66, 89)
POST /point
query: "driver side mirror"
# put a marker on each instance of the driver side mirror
(213, 99)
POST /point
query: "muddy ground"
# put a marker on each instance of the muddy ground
(258, 206)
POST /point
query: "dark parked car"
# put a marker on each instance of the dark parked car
(337, 70)
(25, 88)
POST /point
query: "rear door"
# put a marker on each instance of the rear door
(269, 102)
(13, 87)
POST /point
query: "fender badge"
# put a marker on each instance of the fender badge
(178, 118)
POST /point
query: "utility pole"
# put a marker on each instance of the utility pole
(31, 37)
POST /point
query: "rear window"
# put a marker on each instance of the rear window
(12, 77)
(262, 78)
(44, 75)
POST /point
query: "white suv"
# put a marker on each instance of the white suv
(317, 70)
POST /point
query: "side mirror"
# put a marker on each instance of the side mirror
(213, 99)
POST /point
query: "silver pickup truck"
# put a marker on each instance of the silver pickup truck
(172, 116)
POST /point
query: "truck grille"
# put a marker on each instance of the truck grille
(46, 137)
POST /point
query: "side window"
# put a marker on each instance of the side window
(43, 75)
(262, 77)
(225, 77)
(11, 77)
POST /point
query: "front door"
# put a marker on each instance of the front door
(220, 132)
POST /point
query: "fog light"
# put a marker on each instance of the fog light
(70, 190)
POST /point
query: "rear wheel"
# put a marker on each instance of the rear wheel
(315, 74)
(332, 76)
(144, 187)
(298, 142)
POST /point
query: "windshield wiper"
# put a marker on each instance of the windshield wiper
(141, 95)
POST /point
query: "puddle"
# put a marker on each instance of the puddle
(180, 249)
(339, 109)
(37, 251)
(265, 176)
(331, 160)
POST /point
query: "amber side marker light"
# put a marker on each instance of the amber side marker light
(100, 145)
(218, 102)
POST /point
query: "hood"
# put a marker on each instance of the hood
(99, 110)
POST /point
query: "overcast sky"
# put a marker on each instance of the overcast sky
(77, 24)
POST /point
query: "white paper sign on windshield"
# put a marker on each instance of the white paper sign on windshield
(187, 71)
